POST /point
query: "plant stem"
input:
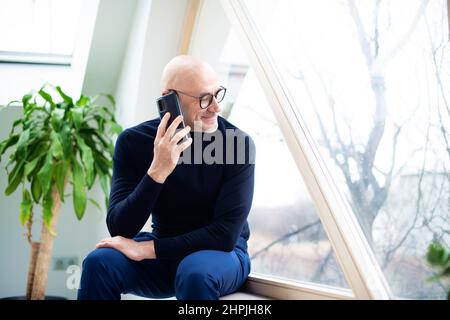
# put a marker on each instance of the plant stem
(32, 267)
(45, 251)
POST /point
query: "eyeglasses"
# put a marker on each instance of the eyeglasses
(206, 99)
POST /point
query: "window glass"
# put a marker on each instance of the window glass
(371, 81)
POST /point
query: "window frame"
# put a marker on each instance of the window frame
(46, 59)
(69, 75)
(276, 288)
(353, 253)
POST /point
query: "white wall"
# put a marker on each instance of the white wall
(109, 44)
(153, 41)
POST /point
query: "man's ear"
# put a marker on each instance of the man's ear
(165, 91)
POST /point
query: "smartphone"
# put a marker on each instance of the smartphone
(170, 103)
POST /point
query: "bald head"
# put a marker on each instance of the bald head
(192, 78)
(186, 72)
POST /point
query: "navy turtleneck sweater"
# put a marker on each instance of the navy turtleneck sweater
(200, 206)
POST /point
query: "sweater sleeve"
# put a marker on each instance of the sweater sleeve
(230, 214)
(132, 195)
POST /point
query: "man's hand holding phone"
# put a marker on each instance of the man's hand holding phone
(167, 150)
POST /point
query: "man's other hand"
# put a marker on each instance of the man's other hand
(132, 249)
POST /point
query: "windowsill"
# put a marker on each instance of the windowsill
(259, 287)
(234, 296)
(272, 288)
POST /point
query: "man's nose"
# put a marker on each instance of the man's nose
(214, 107)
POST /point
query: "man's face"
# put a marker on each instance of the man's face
(197, 84)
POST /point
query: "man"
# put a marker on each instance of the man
(198, 246)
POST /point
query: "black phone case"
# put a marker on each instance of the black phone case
(170, 103)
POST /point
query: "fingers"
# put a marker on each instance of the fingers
(183, 146)
(179, 135)
(162, 126)
(105, 244)
(171, 129)
(108, 242)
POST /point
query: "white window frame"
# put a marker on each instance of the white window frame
(353, 253)
(35, 58)
(277, 288)
(69, 72)
(285, 289)
(46, 59)
(448, 17)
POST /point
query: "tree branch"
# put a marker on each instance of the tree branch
(283, 238)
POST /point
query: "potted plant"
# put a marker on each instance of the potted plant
(58, 142)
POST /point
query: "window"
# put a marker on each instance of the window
(45, 32)
(371, 81)
(287, 239)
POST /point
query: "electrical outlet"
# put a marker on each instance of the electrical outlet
(62, 263)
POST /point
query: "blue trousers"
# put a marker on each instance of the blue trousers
(202, 275)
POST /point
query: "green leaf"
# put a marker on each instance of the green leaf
(45, 174)
(60, 177)
(79, 194)
(115, 128)
(65, 137)
(82, 101)
(103, 163)
(104, 113)
(15, 171)
(110, 98)
(14, 178)
(56, 147)
(88, 161)
(102, 139)
(25, 100)
(57, 117)
(105, 187)
(15, 124)
(36, 190)
(77, 116)
(38, 148)
(101, 123)
(88, 139)
(47, 204)
(12, 186)
(22, 144)
(95, 203)
(111, 149)
(25, 207)
(65, 97)
(5, 144)
(47, 97)
(30, 166)
(436, 254)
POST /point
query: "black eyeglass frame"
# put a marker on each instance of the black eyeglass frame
(211, 96)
